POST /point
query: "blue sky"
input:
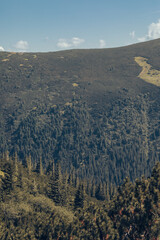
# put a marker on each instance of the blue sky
(52, 25)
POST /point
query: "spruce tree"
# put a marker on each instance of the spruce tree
(29, 164)
(54, 185)
(7, 181)
(99, 193)
(39, 167)
(79, 197)
(57, 185)
(15, 167)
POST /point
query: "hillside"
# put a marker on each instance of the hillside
(90, 110)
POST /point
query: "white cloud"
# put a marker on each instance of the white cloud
(69, 43)
(132, 34)
(1, 49)
(102, 43)
(63, 43)
(77, 41)
(22, 45)
(153, 32)
(142, 39)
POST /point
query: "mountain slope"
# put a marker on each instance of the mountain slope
(88, 109)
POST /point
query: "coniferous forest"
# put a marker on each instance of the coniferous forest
(46, 204)
(80, 144)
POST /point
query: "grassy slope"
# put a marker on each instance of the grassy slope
(49, 77)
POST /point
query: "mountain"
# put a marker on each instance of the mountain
(95, 111)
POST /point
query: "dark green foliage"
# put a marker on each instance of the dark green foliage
(39, 167)
(56, 193)
(99, 193)
(95, 147)
(7, 183)
(54, 185)
(79, 197)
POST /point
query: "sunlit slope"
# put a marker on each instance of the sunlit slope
(148, 73)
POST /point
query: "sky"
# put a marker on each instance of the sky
(54, 25)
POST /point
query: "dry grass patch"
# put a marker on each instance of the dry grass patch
(75, 85)
(5, 60)
(148, 74)
(68, 104)
(11, 53)
(2, 174)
